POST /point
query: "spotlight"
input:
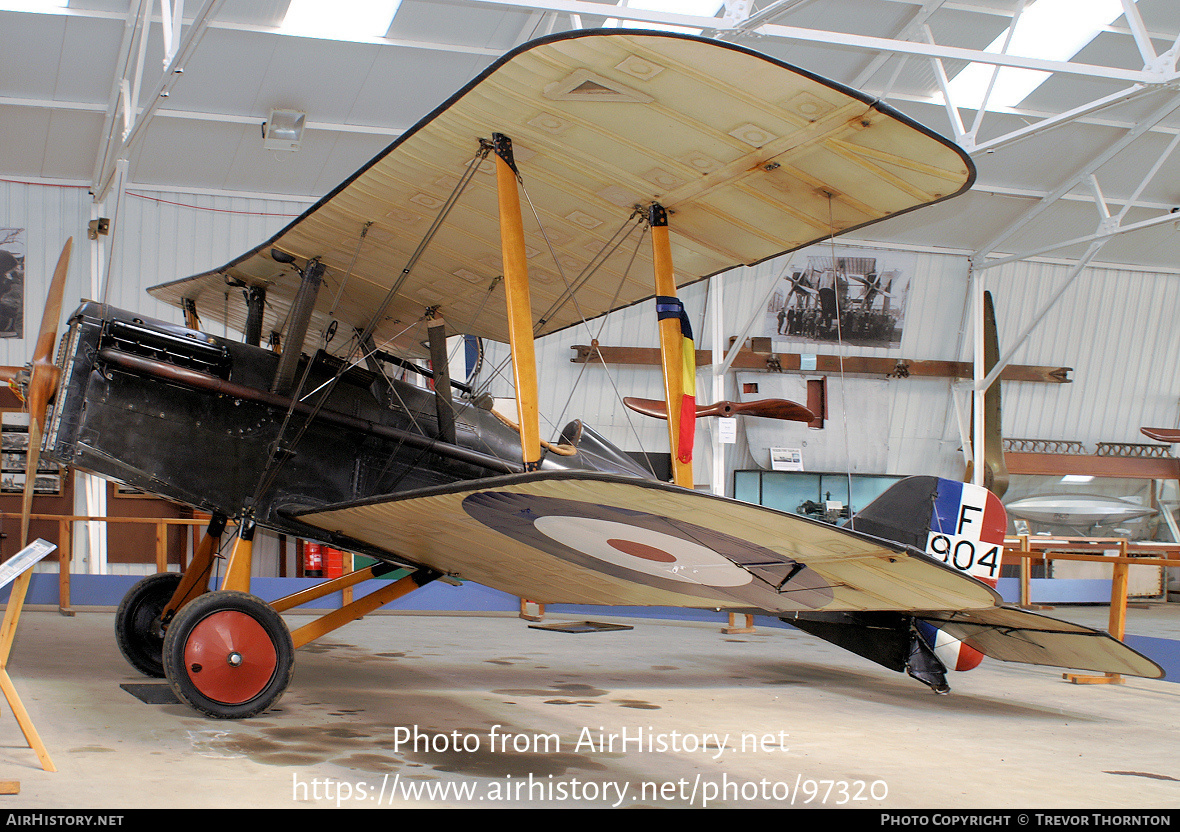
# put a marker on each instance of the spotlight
(283, 130)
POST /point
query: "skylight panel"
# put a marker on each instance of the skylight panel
(358, 20)
(1054, 30)
(43, 6)
(700, 8)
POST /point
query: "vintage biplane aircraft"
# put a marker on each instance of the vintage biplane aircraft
(721, 156)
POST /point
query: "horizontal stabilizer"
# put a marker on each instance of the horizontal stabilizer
(1014, 635)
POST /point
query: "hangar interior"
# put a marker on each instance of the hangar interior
(141, 130)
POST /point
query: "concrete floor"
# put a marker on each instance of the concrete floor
(800, 722)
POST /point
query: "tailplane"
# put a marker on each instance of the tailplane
(963, 526)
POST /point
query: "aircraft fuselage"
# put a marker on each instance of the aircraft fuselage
(191, 417)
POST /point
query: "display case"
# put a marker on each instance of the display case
(811, 493)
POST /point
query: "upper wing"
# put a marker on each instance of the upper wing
(559, 537)
(751, 156)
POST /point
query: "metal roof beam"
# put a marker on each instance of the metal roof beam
(134, 30)
(1093, 165)
(832, 38)
(1051, 122)
(172, 71)
(912, 27)
(1108, 228)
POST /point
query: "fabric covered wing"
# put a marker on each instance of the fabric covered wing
(591, 539)
(1014, 635)
(752, 157)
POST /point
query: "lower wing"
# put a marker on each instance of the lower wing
(561, 537)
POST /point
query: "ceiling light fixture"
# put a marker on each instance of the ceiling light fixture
(283, 130)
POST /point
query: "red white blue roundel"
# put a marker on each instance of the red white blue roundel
(648, 549)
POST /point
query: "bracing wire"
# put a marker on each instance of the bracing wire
(840, 355)
(635, 220)
(275, 459)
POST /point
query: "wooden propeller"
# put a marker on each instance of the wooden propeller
(766, 408)
(43, 379)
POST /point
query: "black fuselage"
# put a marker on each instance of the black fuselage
(192, 417)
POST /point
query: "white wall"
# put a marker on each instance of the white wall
(1115, 327)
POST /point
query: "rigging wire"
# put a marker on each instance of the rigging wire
(443, 212)
(348, 272)
(606, 369)
(602, 324)
(275, 461)
(840, 355)
(636, 221)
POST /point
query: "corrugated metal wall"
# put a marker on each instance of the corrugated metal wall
(1113, 326)
(49, 215)
(1116, 327)
(164, 236)
(171, 236)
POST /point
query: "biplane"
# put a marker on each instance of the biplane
(719, 156)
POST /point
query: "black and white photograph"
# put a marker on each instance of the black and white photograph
(12, 282)
(840, 294)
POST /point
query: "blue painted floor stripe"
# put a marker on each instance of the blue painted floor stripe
(1163, 651)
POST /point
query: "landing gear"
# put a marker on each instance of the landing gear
(146, 611)
(228, 655)
(139, 630)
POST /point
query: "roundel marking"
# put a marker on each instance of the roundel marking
(657, 551)
(641, 551)
(661, 554)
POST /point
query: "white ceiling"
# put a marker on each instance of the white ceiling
(60, 104)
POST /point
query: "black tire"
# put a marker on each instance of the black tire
(228, 655)
(138, 630)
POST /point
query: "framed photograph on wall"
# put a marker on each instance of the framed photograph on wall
(12, 283)
(854, 295)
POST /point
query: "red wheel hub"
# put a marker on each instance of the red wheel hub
(229, 657)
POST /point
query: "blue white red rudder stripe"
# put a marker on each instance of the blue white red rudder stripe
(959, 524)
(967, 528)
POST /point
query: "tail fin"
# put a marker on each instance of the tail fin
(960, 524)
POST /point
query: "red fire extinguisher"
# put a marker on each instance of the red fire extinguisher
(313, 560)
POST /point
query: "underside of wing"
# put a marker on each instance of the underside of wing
(595, 539)
(751, 157)
(1014, 635)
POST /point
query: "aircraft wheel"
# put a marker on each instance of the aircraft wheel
(138, 629)
(228, 655)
